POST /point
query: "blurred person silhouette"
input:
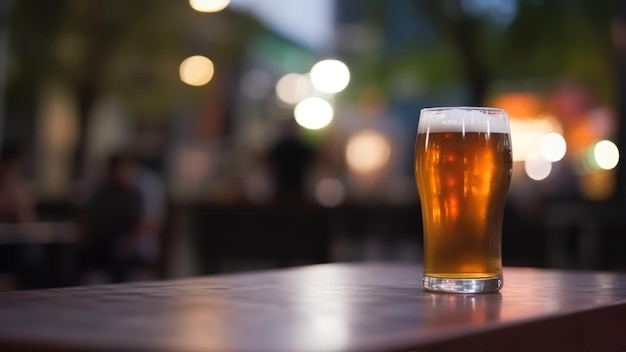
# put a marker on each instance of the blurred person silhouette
(153, 214)
(110, 222)
(16, 203)
(21, 258)
(290, 159)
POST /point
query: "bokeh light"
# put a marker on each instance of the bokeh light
(209, 5)
(606, 154)
(330, 192)
(553, 147)
(367, 151)
(194, 164)
(527, 134)
(196, 70)
(536, 167)
(519, 105)
(257, 187)
(330, 76)
(292, 88)
(313, 113)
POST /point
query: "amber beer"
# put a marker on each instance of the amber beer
(463, 169)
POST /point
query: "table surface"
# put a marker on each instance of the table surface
(333, 307)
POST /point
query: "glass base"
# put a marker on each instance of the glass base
(437, 284)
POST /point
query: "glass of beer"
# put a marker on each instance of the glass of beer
(463, 169)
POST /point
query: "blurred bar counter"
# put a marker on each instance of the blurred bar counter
(558, 234)
(223, 238)
(38, 233)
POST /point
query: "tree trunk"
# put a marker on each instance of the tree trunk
(86, 99)
(461, 30)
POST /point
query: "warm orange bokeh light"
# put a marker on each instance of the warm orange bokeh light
(519, 105)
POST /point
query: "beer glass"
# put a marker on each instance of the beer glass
(463, 169)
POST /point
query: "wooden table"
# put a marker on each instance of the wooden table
(334, 307)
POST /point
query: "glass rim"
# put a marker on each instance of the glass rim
(467, 108)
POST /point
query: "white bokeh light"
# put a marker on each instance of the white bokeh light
(208, 5)
(526, 134)
(196, 70)
(553, 147)
(330, 76)
(313, 113)
(536, 167)
(292, 88)
(606, 154)
(330, 192)
(367, 151)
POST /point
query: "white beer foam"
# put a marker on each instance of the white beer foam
(459, 120)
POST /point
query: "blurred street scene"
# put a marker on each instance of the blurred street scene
(153, 139)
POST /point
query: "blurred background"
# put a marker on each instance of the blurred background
(152, 139)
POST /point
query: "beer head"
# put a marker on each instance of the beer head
(463, 120)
